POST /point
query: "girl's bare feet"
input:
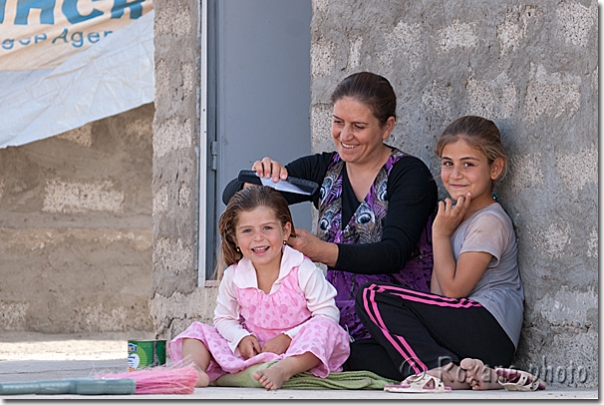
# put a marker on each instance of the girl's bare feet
(272, 378)
(479, 376)
(451, 375)
(194, 351)
(203, 380)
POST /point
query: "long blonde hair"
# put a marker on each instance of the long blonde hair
(247, 199)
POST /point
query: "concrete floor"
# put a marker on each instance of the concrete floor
(37, 357)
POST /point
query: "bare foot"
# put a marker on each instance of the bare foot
(515, 380)
(272, 378)
(203, 380)
(479, 376)
(451, 375)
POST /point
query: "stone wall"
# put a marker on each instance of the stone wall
(176, 300)
(76, 229)
(532, 67)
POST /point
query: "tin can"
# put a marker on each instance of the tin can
(146, 353)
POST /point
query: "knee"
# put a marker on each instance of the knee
(191, 343)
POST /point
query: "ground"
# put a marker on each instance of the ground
(27, 356)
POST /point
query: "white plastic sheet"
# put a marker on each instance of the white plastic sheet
(72, 74)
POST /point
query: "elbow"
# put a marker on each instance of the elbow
(395, 255)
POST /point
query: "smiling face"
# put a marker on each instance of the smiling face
(357, 132)
(260, 237)
(466, 169)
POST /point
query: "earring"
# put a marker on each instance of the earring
(237, 249)
(284, 242)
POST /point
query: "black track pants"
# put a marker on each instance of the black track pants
(415, 331)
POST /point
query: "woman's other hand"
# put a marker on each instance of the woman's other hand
(278, 345)
(249, 346)
(314, 248)
(268, 168)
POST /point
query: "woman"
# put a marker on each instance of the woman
(375, 202)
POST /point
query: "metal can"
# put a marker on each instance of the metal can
(146, 353)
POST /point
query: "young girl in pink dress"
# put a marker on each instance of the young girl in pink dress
(273, 302)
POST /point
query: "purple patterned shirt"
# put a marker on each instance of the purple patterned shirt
(366, 226)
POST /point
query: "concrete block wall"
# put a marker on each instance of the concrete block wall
(532, 67)
(176, 301)
(76, 229)
(529, 66)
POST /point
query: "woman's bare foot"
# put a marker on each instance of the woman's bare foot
(272, 378)
(479, 376)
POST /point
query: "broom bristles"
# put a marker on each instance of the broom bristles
(161, 379)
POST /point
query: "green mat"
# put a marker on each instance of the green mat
(344, 380)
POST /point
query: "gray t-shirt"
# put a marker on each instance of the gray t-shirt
(499, 289)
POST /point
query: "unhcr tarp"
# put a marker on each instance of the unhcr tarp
(64, 63)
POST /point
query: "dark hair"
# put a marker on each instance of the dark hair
(373, 90)
(247, 199)
(479, 133)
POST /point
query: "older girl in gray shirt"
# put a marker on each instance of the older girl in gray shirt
(473, 313)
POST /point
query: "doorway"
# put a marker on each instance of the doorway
(256, 101)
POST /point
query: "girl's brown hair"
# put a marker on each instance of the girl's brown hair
(247, 199)
(479, 133)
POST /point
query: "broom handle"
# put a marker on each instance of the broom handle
(123, 386)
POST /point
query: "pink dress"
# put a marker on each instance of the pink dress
(284, 310)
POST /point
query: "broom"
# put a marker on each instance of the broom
(160, 379)
(154, 380)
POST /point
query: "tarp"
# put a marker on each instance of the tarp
(64, 63)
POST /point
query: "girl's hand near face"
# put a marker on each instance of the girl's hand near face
(278, 345)
(453, 278)
(449, 217)
(249, 347)
(268, 168)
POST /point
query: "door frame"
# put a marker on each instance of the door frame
(202, 201)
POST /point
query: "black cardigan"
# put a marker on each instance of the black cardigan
(412, 197)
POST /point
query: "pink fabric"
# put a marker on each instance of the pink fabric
(266, 316)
